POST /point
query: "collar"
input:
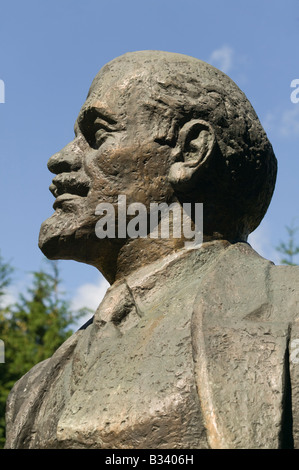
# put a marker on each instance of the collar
(149, 284)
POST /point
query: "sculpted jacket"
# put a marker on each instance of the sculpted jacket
(197, 350)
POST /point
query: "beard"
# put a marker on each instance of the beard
(69, 234)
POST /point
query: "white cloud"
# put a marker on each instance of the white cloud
(222, 58)
(89, 295)
(290, 122)
(285, 123)
(13, 292)
(260, 240)
(9, 298)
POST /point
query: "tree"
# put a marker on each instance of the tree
(5, 280)
(5, 277)
(290, 249)
(33, 328)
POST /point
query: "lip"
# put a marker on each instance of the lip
(66, 187)
(64, 198)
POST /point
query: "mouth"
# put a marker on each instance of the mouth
(64, 198)
(67, 187)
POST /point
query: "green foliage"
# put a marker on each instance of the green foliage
(5, 277)
(290, 249)
(33, 328)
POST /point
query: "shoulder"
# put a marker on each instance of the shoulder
(244, 321)
(27, 394)
(243, 279)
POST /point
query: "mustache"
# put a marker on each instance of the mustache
(76, 183)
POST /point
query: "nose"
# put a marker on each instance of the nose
(70, 158)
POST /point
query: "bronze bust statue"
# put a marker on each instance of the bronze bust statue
(190, 348)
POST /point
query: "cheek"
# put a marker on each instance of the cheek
(139, 172)
(112, 172)
(153, 168)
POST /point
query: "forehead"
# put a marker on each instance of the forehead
(138, 73)
(112, 90)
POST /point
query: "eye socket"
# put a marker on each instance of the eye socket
(100, 137)
(95, 127)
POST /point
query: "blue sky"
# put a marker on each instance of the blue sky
(51, 50)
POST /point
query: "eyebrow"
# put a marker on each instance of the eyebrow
(102, 113)
(97, 114)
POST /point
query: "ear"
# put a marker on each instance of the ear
(195, 145)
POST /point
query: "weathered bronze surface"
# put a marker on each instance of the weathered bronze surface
(190, 348)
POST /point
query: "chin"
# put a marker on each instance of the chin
(58, 236)
(63, 235)
(67, 237)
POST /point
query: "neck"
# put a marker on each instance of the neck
(142, 252)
